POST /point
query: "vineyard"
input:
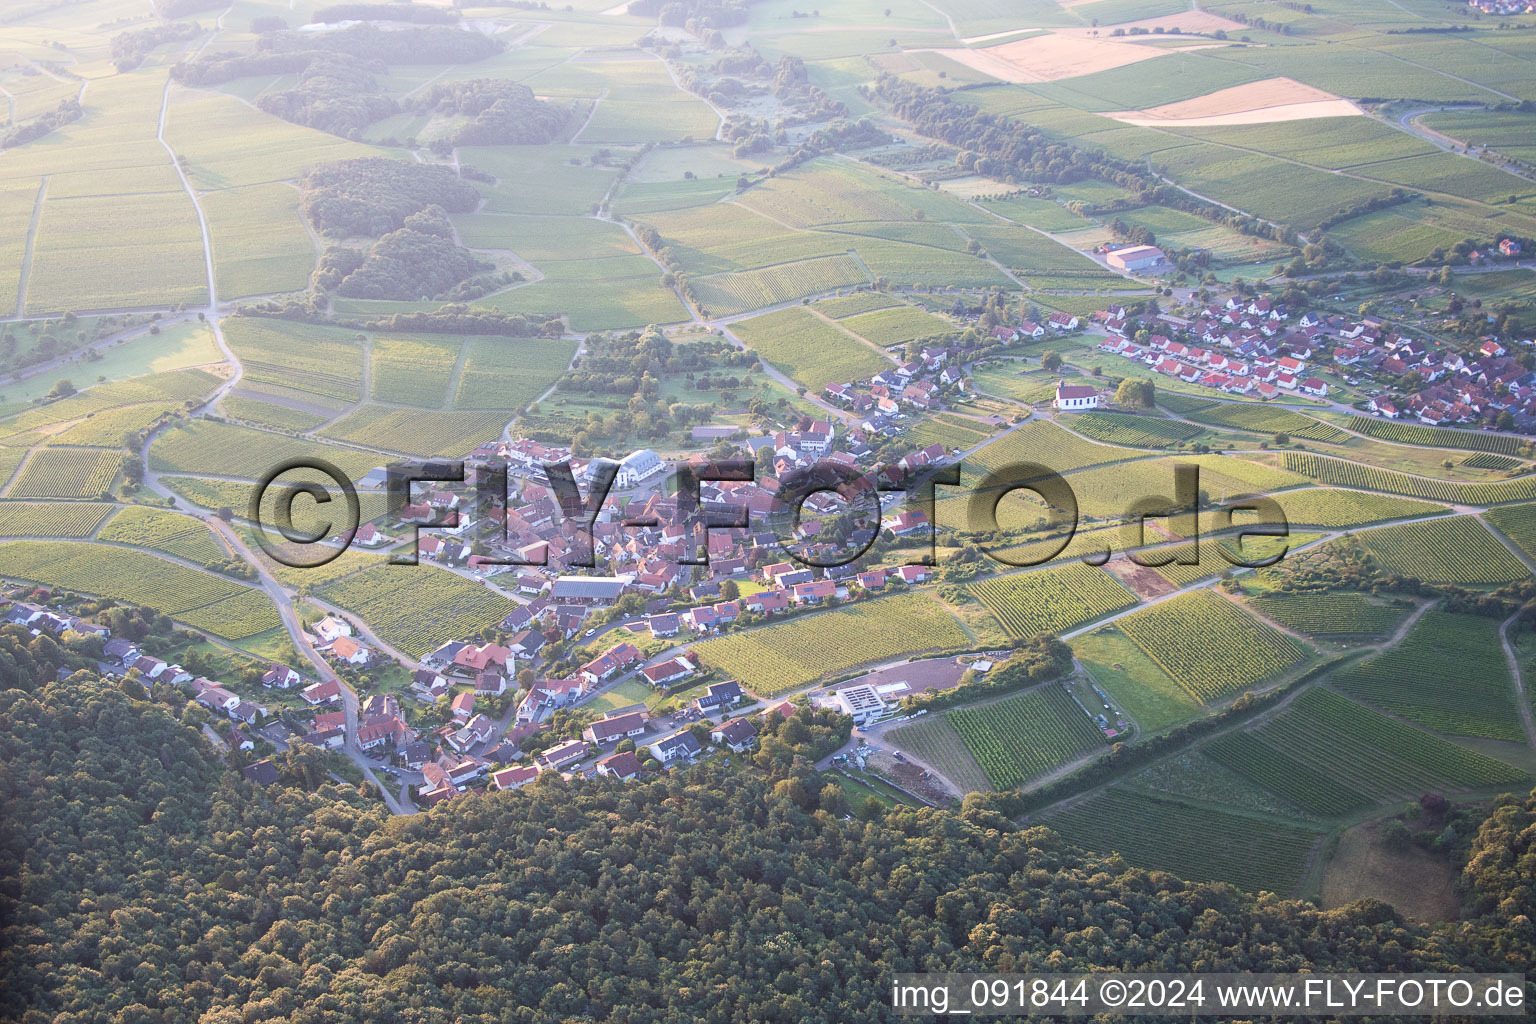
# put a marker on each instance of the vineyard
(933, 740)
(51, 519)
(137, 577)
(778, 658)
(1518, 523)
(1487, 460)
(113, 428)
(897, 326)
(297, 360)
(1353, 474)
(1200, 844)
(809, 349)
(1448, 674)
(66, 473)
(174, 534)
(508, 373)
(221, 449)
(1209, 646)
(1300, 785)
(1338, 509)
(1132, 431)
(1456, 550)
(418, 609)
(853, 305)
(1023, 737)
(947, 434)
(1331, 614)
(1435, 437)
(1374, 755)
(1266, 420)
(173, 387)
(413, 370)
(415, 432)
(727, 294)
(1043, 442)
(1052, 600)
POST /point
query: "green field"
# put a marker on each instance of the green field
(1023, 737)
(417, 608)
(173, 534)
(788, 655)
(1052, 600)
(508, 373)
(1455, 550)
(1331, 614)
(933, 740)
(66, 473)
(808, 349)
(1448, 674)
(1209, 646)
(51, 519)
(1352, 474)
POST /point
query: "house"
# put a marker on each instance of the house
(1509, 247)
(463, 706)
(623, 766)
(513, 778)
(331, 627)
(126, 652)
(667, 673)
(907, 523)
(262, 773)
(490, 684)
(678, 747)
(814, 591)
(612, 661)
(736, 734)
(414, 755)
(1064, 321)
(322, 693)
(1030, 329)
(616, 727)
(527, 643)
(215, 698)
(1075, 397)
(477, 730)
(471, 661)
(720, 695)
(565, 753)
(350, 651)
(281, 677)
(245, 711)
(1313, 386)
(663, 625)
(861, 703)
(589, 590)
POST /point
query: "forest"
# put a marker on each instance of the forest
(504, 113)
(143, 881)
(374, 195)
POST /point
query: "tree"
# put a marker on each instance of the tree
(62, 388)
(1051, 361)
(730, 590)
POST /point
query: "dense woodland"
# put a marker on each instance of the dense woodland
(375, 195)
(143, 882)
(502, 113)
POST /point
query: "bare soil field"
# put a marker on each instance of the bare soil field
(1266, 102)
(1050, 57)
(1417, 883)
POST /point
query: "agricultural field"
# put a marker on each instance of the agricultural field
(1435, 437)
(1209, 646)
(810, 350)
(1300, 785)
(1021, 738)
(415, 432)
(413, 370)
(169, 532)
(260, 245)
(739, 292)
(1052, 600)
(421, 613)
(112, 428)
(302, 361)
(933, 740)
(253, 409)
(509, 373)
(1131, 430)
(1372, 754)
(948, 435)
(788, 655)
(1195, 842)
(1517, 522)
(1454, 550)
(1043, 442)
(221, 449)
(841, 306)
(197, 598)
(51, 519)
(66, 473)
(1331, 614)
(897, 326)
(1448, 674)
(1338, 509)
(1339, 472)
(1273, 421)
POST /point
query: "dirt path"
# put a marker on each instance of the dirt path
(1522, 700)
(26, 258)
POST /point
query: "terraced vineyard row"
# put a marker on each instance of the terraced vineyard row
(1338, 509)
(422, 613)
(1435, 437)
(1353, 474)
(1051, 600)
(1196, 843)
(1209, 646)
(1023, 737)
(781, 657)
(174, 534)
(1047, 444)
(1518, 523)
(1455, 550)
(1448, 674)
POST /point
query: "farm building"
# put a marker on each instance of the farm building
(1137, 257)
